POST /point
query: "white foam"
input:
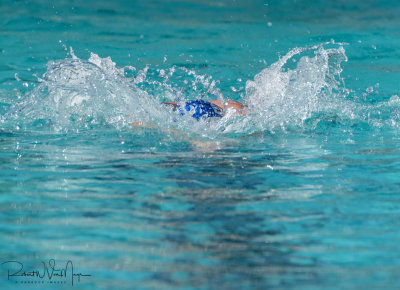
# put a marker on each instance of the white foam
(301, 88)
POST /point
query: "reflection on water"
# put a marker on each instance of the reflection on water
(255, 213)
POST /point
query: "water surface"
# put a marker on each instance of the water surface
(301, 193)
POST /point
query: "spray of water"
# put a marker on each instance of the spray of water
(300, 90)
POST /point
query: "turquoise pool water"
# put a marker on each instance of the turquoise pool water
(301, 193)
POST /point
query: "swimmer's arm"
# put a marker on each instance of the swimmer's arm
(240, 108)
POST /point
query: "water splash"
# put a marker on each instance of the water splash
(75, 93)
(285, 97)
(302, 90)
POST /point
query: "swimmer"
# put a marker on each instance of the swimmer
(204, 109)
(209, 109)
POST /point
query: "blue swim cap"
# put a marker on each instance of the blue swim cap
(202, 109)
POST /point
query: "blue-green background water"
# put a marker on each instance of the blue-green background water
(310, 202)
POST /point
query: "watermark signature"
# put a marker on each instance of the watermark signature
(45, 273)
